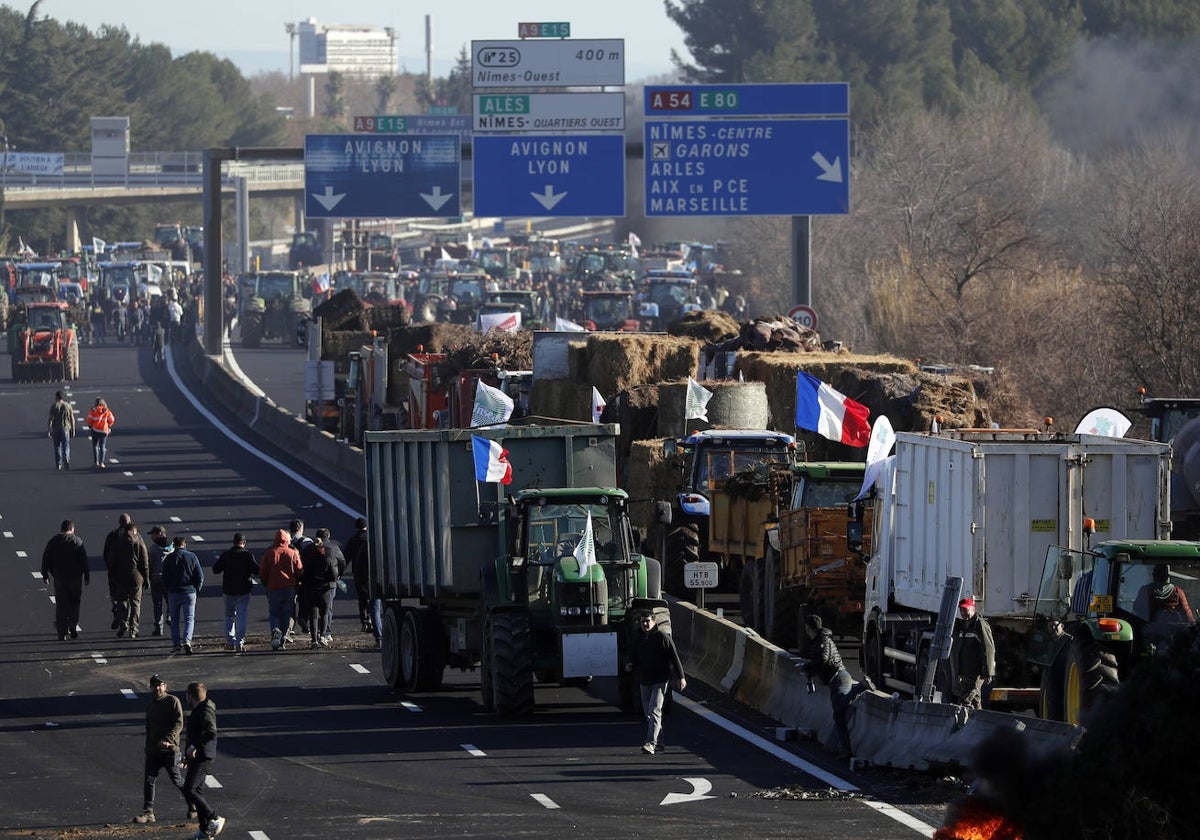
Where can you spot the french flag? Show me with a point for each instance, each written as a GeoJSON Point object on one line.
{"type": "Point", "coordinates": [823, 410]}
{"type": "Point", "coordinates": [491, 461]}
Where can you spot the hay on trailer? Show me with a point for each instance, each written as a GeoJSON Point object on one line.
{"type": "Point", "coordinates": [341, 312]}
{"type": "Point", "coordinates": [648, 477]}
{"type": "Point", "coordinates": [710, 325]}
{"type": "Point", "coordinates": [561, 399]}
{"type": "Point", "coordinates": [616, 362]}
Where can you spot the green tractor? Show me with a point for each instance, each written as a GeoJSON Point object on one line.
{"type": "Point", "coordinates": [547, 619]}
{"type": "Point", "coordinates": [1100, 612]}
{"type": "Point", "coordinates": [275, 305]}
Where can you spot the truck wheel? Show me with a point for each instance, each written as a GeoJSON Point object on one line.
{"type": "Point", "coordinates": [512, 663]}
{"type": "Point", "coordinates": [389, 648]}
{"type": "Point", "coordinates": [422, 658]}
{"type": "Point", "coordinates": [748, 598]}
{"type": "Point", "coordinates": [683, 547]}
{"type": "Point", "coordinates": [1090, 676]}
{"type": "Point", "coordinates": [485, 673]}
{"type": "Point", "coordinates": [1050, 701]}
{"type": "Point", "coordinates": [872, 657]}
{"type": "Point", "coordinates": [252, 329]}
{"type": "Point", "coordinates": [653, 578]}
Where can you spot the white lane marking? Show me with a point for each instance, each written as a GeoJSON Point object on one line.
{"type": "Point", "coordinates": [799, 763]}
{"type": "Point", "coordinates": [225, 430]}
{"type": "Point", "coordinates": [545, 800]}
{"type": "Point", "coordinates": [129, 693]}
{"type": "Point", "coordinates": [197, 538]}
{"type": "Point", "coordinates": [901, 817]}
{"type": "Point", "coordinates": [156, 501]}
{"type": "Point", "coordinates": [142, 487]}
{"type": "Point", "coordinates": [8, 535]}
{"type": "Point", "coordinates": [113, 461]}
{"type": "Point", "coordinates": [22, 553]}
{"type": "Point", "coordinates": [211, 782]}
{"type": "Point", "coordinates": [359, 668]}
{"type": "Point", "coordinates": [259, 835]}
{"type": "Point", "coordinates": [37, 575]}
{"type": "Point", "coordinates": [176, 519]}
{"type": "Point", "coordinates": [52, 601]}
{"type": "Point", "coordinates": [474, 750]}
{"type": "Point", "coordinates": [412, 707]}
{"type": "Point", "coordinates": [99, 659]}
{"type": "Point", "coordinates": [700, 789]}
{"type": "Point", "coordinates": [128, 474]}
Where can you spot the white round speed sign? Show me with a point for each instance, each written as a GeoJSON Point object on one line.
{"type": "Point", "coordinates": [803, 315]}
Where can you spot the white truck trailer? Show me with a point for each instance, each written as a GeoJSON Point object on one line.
{"type": "Point", "coordinates": [989, 507]}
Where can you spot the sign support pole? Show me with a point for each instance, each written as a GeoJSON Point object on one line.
{"type": "Point", "coordinates": [802, 260]}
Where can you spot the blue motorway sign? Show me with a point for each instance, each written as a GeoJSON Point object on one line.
{"type": "Point", "coordinates": [382, 176]}
{"type": "Point", "coordinates": [807, 99]}
{"type": "Point", "coordinates": [747, 167]}
{"type": "Point", "coordinates": [549, 175]}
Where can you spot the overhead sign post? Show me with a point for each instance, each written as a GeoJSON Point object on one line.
{"type": "Point", "coordinates": [381, 176]}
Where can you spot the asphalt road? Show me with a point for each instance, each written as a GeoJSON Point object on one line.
{"type": "Point", "coordinates": [313, 744]}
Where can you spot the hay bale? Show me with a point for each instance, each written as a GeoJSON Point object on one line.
{"type": "Point", "coordinates": [733, 405]}
{"type": "Point", "coordinates": [343, 311]}
{"type": "Point", "coordinates": [615, 362]}
{"type": "Point", "coordinates": [709, 326]}
{"type": "Point", "coordinates": [337, 345]}
{"type": "Point", "coordinates": [561, 399]}
{"type": "Point", "coordinates": [386, 316]}
{"type": "Point", "coordinates": [647, 477]}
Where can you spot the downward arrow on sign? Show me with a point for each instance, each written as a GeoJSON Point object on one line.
{"type": "Point", "coordinates": [548, 198]}
{"type": "Point", "coordinates": [329, 200]}
{"type": "Point", "coordinates": [436, 199]}
{"type": "Point", "coordinates": [829, 171]}
{"type": "Point", "coordinates": [700, 789]}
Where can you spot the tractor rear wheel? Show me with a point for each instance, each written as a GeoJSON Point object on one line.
{"type": "Point", "coordinates": [511, 663]}
{"type": "Point", "coordinates": [422, 658]}
{"type": "Point", "coordinates": [389, 648]}
{"type": "Point", "coordinates": [252, 329]}
{"type": "Point", "coordinates": [683, 547]}
{"type": "Point", "coordinates": [1090, 676]}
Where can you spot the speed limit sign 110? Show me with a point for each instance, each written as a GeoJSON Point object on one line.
{"type": "Point", "coordinates": [803, 315]}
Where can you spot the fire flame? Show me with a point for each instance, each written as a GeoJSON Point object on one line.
{"type": "Point", "coordinates": [976, 821]}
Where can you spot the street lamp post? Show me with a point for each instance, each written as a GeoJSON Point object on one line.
{"type": "Point", "coordinates": [291, 31]}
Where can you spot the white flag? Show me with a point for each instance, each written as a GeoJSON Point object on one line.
{"type": "Point", "coordinates": [502, 321]}
{"type": "Point", "coordinates": [492, 406]}
{"type": "Point", "coordinates": [563, 325]}
{"type": "Point", "coordinates": [470, 242]}
{"type": "Point", "coordinates": [634, 242]}
{"type": "Point", "coordinates": [598, 404]}
{"type": "Point", "coordinates": [585, 551]}
{"type": "Point", "coordinates": [696, 404]}
{"type": "Point", "coordinates": [99, 246]}
{"type": "Point", "coordinates": [883, 437]}
{"type": "Point", "coordinates": [1106, 422]}
{"type": "Point", "coordinates": [153, 274]}
{"type": "Point", "coordinates": [446, 256]}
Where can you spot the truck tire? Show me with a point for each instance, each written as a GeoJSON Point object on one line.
{"type": "Point", "coordinates": [73, 362]}
{"type": "Point", "coordinates": [1090, 676]}
{"type": "Point", "coordinates": [422, 656]}
{"type": "Point", "coordinates": [389, 648]}
{"type": "Point", "coordinates": [486, 680]}
{"type": "Point", "coordinates": [511, 663]}
{"type": "Point", "coordinates": [749, 600]}
{"type": "Point", "coordinates": [252, 329]}
{"type": "Point", "coordinates": [1050, 700]}
{"type": "Point", "coordinates": [872, 656]}
{"type": "Point", "coordinates": [683, 547]}
{"type": "Point", "coordinates": [653, 578]}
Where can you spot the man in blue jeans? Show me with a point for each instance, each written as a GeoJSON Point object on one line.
{"type": "Point", "coordinates": [60, 430]}
{"type": "Point", "coordinates": [237, 567]}
{"type": "Point", "coordinates": [183, 578]}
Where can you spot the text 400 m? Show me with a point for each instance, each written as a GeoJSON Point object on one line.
{"type": "Point", "coordinates": [598, 55]}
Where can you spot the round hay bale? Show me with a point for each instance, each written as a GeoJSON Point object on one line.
{"type": "Point", "coordinates": [710, 326]}
{"type": "Point", "coordinates": [734, 405]}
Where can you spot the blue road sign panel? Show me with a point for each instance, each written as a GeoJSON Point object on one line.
{"type": "Point", "coordinates": [559, 175]}
{"type": "Point", "coordinates": [382, 176]}
{"type": "Point", "coordinates": [809, 99]}
{"type": "Point", "coordinates": [747, 167]}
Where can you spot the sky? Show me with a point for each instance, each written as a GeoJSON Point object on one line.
{"type": "Point", "coordinates": [251, 32]}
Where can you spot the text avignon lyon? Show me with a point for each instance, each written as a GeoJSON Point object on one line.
{"type": "Point", "coordinates": [563, 149]}
{"type": "Point", "coordinates": [381, 155]}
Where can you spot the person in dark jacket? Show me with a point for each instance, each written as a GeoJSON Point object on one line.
{"type": "Point", "coordinates": [972, 655]}
{"type": "Point", "coordinates": [324, 565]}
{"type": "Point", "coordinates": [110, 540]}
{"type": "Point", "coordinates": [159, 547]}
{"type": "Point", "coordinates": [357, 555]}
{"type": "Point", "coordinates": [183, 578]}
{"type": "Point", "coordinates": [164, 723]}
{"type": "Point", "coordinates": [65, 559]}
{"type": "Point", "coordinates": [60, 429]}
{"type": "Point", "coordinates": [822, 659]}
{"type": "Point", "coordinates": [655, 662]}
{"type": "Point", "coordinates": [128, 573]}
{"type": "Point", "coordinates": [201, 750]}
{"type": "Point", "coordinates": [238, 568]}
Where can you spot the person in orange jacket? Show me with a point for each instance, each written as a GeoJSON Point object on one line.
{"type": "Point", "coordinates": [280, 570]}
{"type": "Point", "coordinates": [100, 422]}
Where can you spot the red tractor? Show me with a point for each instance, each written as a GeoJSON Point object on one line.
{"type": "Point", "coordinates": [48, 348]}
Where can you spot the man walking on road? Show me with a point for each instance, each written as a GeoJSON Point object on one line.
{"type": "Point", "coordinates": [100, 422]}
{"type": "Point", "coordinates": [358, 555]}
{"type": "Point", "coordinates": [655, 661]}
{"type": "Point", "coordinates": [279, 570]}
{"type": "Point", "coordinates": [164, 723]}
{"type": "Point", "coordinates": [129, 574]}
{"type": "Point", "coordinates": [159, 547]}
{"type": "Point", "coordinates": [65, 559]}
{"type": "Point", "coordinates": [237, 568]}
{"type": "Point", "coordinates": [323, 566]}
{"type": "Point", "coordinates": [973, 655]}
{"type": "Point", "coordinates": [183, 578]}
{"type": "Point", "coordinates": [61, 429]}
{"type": "Point", "coordinates": [201, 750]}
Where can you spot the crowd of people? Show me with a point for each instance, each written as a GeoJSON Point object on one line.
{"type": "Point", "coordinates": [301, 576]}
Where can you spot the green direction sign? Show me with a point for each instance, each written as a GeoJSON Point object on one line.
{"type": "Point", "coordinates": [544, 30]}
{"type": "Point", "coordinates": [382, 123]}
{"type": "Point", "coordinates": [499, 104]}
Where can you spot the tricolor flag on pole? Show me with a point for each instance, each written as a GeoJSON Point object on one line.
{"type": "Point", "coordinates": [585, 551]}
{"type": "Point", "coordinates": [823, 410]}
{"type": "Point", "coordinates": [491, 461]}
{"type": "Point", "coordinates": [598, 404]}
{"type": "Point", "coordinates": [696, 404]}
{"type": "Point", "coordinates": [492, 406]}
